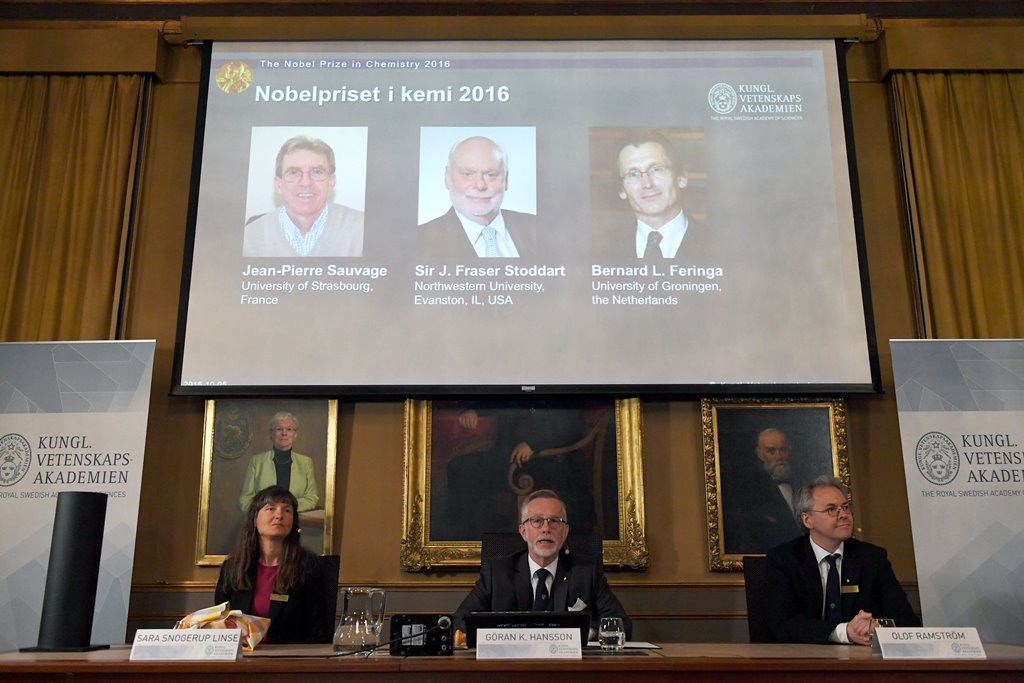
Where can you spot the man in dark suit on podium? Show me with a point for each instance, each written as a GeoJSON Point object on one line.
{"type": "Point", "coordinates": [541, 578]}
{"type": "Point", "coordinates": [476, 226]}
{"type": "Point", "coordinates": [827, 587]}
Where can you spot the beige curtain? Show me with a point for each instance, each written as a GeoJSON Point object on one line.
{"type": "Point", "coordinates": [962, 139]}
{"type": "Point", "coordinates": [68, 157]}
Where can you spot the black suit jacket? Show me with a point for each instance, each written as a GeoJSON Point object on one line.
{"type": "Point", "coordinates": [796, 597]}
{"type": "Point", "coordinates": [697, 247]}
{"type": "Point", "coordinates": [299, 620]}
{"type": "Point", "coordinates": [444, 238]}
{"type": "Point", "coordinates": [757, 516]}
{"type": "Point", "coordinates": [504, 586]}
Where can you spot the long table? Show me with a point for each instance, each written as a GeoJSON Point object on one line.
{"type": "Point", "coordinates": [673, 661]}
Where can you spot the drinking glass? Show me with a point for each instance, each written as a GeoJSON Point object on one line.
{"type": "Point", "coordinates": [881, 623]}
{"type": "Point", "coordinates": [612, 633]}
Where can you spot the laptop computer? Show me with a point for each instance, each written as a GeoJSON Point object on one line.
{"type": "Point", "coordinates": [478, 620]}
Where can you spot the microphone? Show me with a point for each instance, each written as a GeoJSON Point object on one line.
{"type": "Point", "coordinates": [370, 649]}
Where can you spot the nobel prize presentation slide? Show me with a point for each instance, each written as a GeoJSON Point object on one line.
{"type": "Point", "coordinates": [346, 194]}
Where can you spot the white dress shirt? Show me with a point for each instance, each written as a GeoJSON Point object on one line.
{"type": "Point", "coordinates": [475, 234]}
{"type": "Point", "coordinates": [820, 554]}
{"type": "Point", "coordinates": [672, 234]}
{"type": "Point", "coordinates": [551, 569]}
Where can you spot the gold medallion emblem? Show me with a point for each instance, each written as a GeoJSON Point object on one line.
{"type": "Point", "coordinates": [234, 77]}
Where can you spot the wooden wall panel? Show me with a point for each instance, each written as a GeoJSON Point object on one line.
{"type": "Point", "coordinates": [96, 50]}
{"type": "Point", "coordinates": [912, 46]}
{"type": "Point", "coordinates": [875, 450]}
{"type": "Point", "coordinates": [165, 548]}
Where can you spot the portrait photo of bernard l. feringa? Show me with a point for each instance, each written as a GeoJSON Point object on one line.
{"type": "Point", "coordinates": [641, 186]}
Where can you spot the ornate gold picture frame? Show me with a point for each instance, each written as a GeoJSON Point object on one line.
{"type": "Point", "coordinates": [236, 433]}
{"type": "Point", "coordinates": [460, 478]}
{"type": "Point", "coordinates": [757, 453]}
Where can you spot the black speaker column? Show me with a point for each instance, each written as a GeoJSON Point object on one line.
{"type": "Point", "coordinates": [69, 602]}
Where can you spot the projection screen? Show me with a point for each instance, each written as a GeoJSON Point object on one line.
{"type": "Point", "coordinates": [345, 196]}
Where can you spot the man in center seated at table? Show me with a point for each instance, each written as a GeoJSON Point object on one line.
{"type": "Point", "coordinates": [541, 578]}
{"type": "Point", "coordinates": [827, 587]}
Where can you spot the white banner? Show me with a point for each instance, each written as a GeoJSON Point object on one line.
{"type": "Point", "coordinates": [72, 418]}
{"type": "Point", "coordinates": [961, 412]}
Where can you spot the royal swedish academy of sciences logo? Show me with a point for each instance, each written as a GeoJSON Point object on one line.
{"type": "Point", "coordinates": [722, 98]}
{"type": "Point", "coordinates": [937, 458]}
{"type": "Point", "coordinates": [15, 457]}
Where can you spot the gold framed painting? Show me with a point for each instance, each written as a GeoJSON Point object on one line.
{"type": "Point", "coordinates": [238, 448]}
{"type": "Point", "coordinates": [757, 454]}
{"type": "Point", "coordinates": [461, 479]}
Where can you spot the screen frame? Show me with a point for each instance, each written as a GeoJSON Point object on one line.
{"type": "Point", "coordinates": [390, 391]}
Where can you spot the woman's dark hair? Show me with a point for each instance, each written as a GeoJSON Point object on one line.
{"type": "Point", "coordinates": [246, 554]}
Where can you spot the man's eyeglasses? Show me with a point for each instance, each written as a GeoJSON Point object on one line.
{"type": "Point", "coordinates": [488, 176]}
{"type": "Point", "coordinates": [554, 523]}
{"type": "Point", "coordinates": [656, 172]}
{"type": "Point", "coordinates": [834, 510]}
{"type": "Point", "coordinates": [317, 173]}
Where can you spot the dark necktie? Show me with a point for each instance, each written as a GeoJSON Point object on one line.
{"type": "Point", "coordinates": [653, 250]}
{"type": "Point", "coordinates": [833, 613]}
{"type": "Point", "coordinates": [541, 603]}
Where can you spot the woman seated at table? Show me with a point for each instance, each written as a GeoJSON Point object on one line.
{"type": "Point", "coordinates": [270, 574]}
